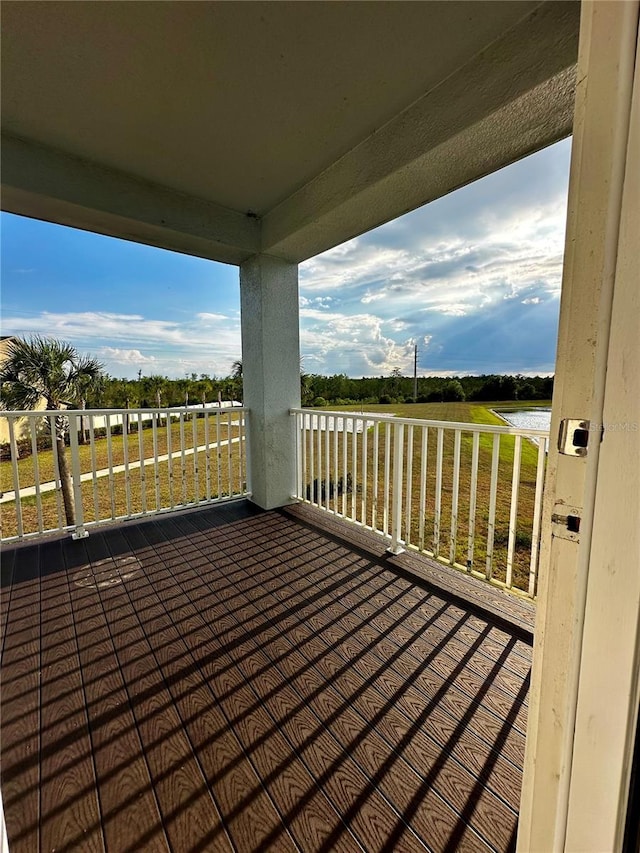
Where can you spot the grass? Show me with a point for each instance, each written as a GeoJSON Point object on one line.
{"type": "Point", "coordinates": [177, 484]}
{"type": "Point", "coordinates": [365, 503]}
{"type": "Point", "coordinates": [46, 463]}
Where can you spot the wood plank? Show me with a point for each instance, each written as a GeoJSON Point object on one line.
{"type": "Point", "coordinates": [7, 563]}
{"type": "Point", "coordinates": [70, 813]}
{"type": "Point", "coordinates": [497, 727]}
{"type": "Point", "coordinates": [503, 705]}
{"type": "Point", "coordinates": [251, 724]}
{"type": "Point", "coordinates": [516, 612]}
{"type": "Point", "coordinates": [299, 711]}
{"type": "Point", "coordinates": [257, 681]}
{"type": "Point", "coordinates": [229, 773]}
{"type": "Point", "coordinates": [440, 814]}
{"type": "Point", "coordinates": [128, 805]}
{"type": "Point", "coordinates": [496, 807]}
{"type": "Point", "coordinates": [357, 653]}
{"type": "Point", "coordinates": [180, 789]}
{"type": "Point", "coordinates": [20, 763]}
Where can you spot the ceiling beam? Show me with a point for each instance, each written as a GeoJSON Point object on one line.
{"type": "Point", "coordinates": [510, 100]}
{"type": "Point", "coordinates": [43, 183]}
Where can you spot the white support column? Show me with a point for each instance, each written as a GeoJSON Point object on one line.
{"type": "Point", "coordinates": [271, 375]}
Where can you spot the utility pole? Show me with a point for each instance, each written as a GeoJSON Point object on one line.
{"type": "Point", "coordinates": [415, 372]}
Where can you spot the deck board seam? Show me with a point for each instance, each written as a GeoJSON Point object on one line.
{"type": "Point", "coordinates": [223, 820]}
{"type": "Point", "coordinates": [276, 808]}
{"type": "Point", "coordinates": [186, 735]}
{"type": "Point", "coordinates": [142, 751]}
{"type": "Point", "coordinates": [329, 731]}
{"type": "Point", "coordinates": [463, 768]}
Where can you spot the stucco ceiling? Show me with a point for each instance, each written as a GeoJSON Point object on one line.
{"type": "Point", "coordinates": [239, 104]}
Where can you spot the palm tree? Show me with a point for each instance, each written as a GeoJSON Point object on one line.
{"type": "Point", "coordinates": [234, 384]}
{"type": "Point", "coordinates": [53, 370]}
{"type": "Point", "coordinates": [155, 385]}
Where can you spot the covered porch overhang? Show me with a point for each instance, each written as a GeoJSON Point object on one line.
{"type": "Point", "coordinates": [259, 134]}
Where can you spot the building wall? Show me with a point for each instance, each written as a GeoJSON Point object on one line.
{"type": "Point", "coordinates": [21, 426]}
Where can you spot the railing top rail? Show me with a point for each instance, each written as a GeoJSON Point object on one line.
{"type": "Point", "coordinates": [455, 425]}
{"type": "Point", "coordinates": [35, 413]}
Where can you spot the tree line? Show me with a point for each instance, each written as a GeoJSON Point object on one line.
{"type": "Point", "coordinates": [157, 391]}
{"type": "Point", "coordinates": [318, 390]}
{"type": "Point", "coordinates": [342, 390]}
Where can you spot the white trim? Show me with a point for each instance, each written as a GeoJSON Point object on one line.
{"type": "Point", "coordinates": [608, 692]}
{"type": "Point", "coordinates": [603, 102]}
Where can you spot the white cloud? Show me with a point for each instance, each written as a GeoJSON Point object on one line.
{"type": "Point", "coordinates": [211, 318]}
{"type": "Point", "coordinates": [371, 297]}
{"type": "Point", "coordinates": [450, 265]}
{"type": "Point", "coordinates": [469, 276]}
{"type": "Point", "coordinates": [173, 348]}
{"type": "Point", "coordinates": [355, 341]}
{"type": "Point", "coordinates": [126, 356]}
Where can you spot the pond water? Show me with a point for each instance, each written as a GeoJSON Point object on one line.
{"type": "Point", "coordinates": [537, 418]}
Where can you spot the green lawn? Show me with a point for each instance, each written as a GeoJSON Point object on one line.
{"type": "Point", "coordinates": [422, 528]}
{"type": "Point", "coordinates": [45, 460]}
{"type": "Point", "coordinates": [179, 484]}
{"type": "Point", "coordinates": [150, 487]}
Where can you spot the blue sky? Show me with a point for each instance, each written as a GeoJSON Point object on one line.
{"type": "Point", "coordinates": [473, 279]}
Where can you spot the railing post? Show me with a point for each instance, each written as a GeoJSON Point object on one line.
{"type": "Point", "coordinates": [16, 477]}
{"type": "Point", "coordinates": [297, 420]}
{"type": "Point", "coordinates": [396, 498]}
{"type": "Point", "coordinates": [246, 416]}
{"type": "Point", "coordinates": [79, 532]}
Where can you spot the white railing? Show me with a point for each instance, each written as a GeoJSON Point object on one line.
{"type": "Point", "coordinates": [467, 494]}
{"type": "Point", "coordinates": [122, 464]}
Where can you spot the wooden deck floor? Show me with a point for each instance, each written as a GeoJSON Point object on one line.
{"type": "Point", "coordinates": [230, 679]}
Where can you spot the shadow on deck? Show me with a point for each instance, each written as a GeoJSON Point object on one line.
{"type": "Point", "coordinates": [230, 679]}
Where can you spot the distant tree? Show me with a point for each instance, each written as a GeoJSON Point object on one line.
{"type": "Point", "coordinates": [155, 385]}
{"type": "Point", "coordinates": [306, 389]}
{"type": "Point", "coordinates": [233, 388]}
{"type": "Point", "coordinates": [201, 389]}
{"type": "Point", "coordinates": [526, 391]}
{"type": "Point", "coordinates": [497, 388]}
{"type": "Point", "coordinates": [453, 392]}
{"type": "Point", "coordinates": [180, 388]}
{"type": "Point", "coordinates": [47, 368]}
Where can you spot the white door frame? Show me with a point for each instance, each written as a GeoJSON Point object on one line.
{"type": "Point", "coordinates": [586, 646]}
